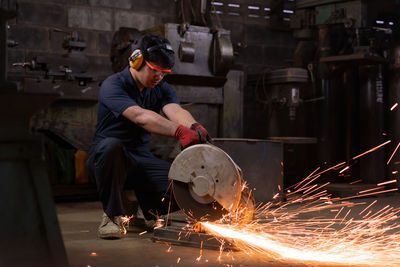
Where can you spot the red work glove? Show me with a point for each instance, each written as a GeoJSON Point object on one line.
{"type": "Point", "coordinates": [204, 135]}
{"type": "Point", "coordinates": [186, 136]}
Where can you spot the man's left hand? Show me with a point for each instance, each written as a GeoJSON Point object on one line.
{"type": "Point", "coordinates": [204, 135]}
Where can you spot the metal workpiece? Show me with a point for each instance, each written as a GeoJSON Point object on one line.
{"type": "Point", "coordinates": [261, 162]}
{"type": "Point", "coordinates": [206, 182]}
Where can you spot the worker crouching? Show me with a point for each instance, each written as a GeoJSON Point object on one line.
{"type": "Point", "coordinates": [128, 113]}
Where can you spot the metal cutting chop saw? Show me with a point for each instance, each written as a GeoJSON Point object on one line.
{"type": "Point", "coordinates": [207, 184]}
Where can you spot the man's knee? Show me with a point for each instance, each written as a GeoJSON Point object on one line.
{"type": "Point", "coordinates": [109, 148]}
{"type": "Point", "coordinates": [110, 145]}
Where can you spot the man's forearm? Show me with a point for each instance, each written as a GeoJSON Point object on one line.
{"type": "Point", "coordinates": [151, 121]}
{"type": "Point", "coordinates": [182, 116]}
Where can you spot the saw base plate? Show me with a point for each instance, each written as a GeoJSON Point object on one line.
{"type": "Point", "coordinates": [174, 235]}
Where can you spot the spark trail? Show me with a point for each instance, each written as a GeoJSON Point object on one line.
{"type": "Point", "coordinates": [352, 234]}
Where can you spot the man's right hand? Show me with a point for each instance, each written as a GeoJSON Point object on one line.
{"type": "Point", "coordinates": [204, 135]}
{"type": "Point", "coordinates": [186, 136]}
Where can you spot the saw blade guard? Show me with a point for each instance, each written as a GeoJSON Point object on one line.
{"type": "Point", "coordinates": [210, 176]}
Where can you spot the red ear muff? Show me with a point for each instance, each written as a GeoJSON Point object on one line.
{"type": "Point", "coordinates": [136, 59]}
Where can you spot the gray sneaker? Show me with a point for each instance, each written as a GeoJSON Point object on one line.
{"type": "Point", "coordinates": [111, 227]}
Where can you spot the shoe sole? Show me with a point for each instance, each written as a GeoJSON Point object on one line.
{"type": "Point", "coordinates": [110, 236]}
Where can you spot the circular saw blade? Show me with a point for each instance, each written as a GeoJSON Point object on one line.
{"type": "Point", "coordinates": [199, 211]}
{"type": "Point", "coordinates": [212, 178]}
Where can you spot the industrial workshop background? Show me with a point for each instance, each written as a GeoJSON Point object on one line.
{"type": "Point", "coordinates": [313, 81]}
{"type": "Point", "coordinates": [66, 46]}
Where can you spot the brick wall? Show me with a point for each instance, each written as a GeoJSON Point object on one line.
{"type": "Point", "coordinates": [94, 20]}
{"type": "Point", "coordinates": [261, 38]}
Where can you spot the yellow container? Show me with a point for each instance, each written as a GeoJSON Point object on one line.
{"type": "Point", "coordinates": [81, 175]}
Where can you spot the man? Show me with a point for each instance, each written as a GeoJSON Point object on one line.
{"type": "Point", "coordinates": [128, 112]}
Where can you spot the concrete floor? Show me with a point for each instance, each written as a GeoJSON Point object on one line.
{"type": "Point", "coordinates": [79, 222]}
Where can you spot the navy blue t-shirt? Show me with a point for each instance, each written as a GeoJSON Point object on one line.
{"type": "Point", "coordinates": [119, 92]}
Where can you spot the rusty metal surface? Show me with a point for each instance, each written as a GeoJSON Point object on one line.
{"type": "Point", "coordinates": [261, 162]}
{"type": "Point", "coordinates": [72, 121]}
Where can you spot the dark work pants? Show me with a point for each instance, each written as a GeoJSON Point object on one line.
{"type": "Point", "coordinates": [115, 168]}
